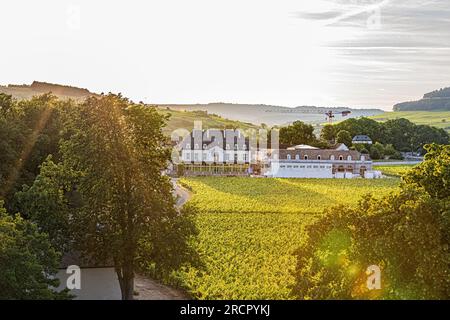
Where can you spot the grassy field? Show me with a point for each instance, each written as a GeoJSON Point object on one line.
{"type": "Point", "coordinates": [439, 119]}
{"type": "Point", "coordinates": [394, 171]}
{"type": "Point", "coordinates": [185, 119]}
{"type": "Point", "coordinates": [250, 227]}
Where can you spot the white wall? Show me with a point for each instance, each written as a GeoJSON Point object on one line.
{"type": "Point", "coordinates": [300, 170]}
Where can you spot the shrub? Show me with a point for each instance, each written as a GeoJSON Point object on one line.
{"type": "Point", "coordinates": [403, 234]}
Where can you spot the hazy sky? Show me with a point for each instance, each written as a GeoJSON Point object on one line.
{"type": "Point", "coordinates": [355, 53]}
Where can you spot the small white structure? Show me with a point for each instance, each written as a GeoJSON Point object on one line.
{"type": "Point", "coordinates": [361, 139]}
{"type": "Point", "coordinates": [282, 169]}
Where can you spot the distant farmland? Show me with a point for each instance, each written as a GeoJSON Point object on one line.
{"type": "Point", "coordinates": [439, 119]}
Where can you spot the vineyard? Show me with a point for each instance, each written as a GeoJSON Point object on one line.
{"type": "Point", "coordinates": [249, 228]}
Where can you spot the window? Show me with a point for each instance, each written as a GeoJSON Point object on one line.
{"type": "Point", "coordinates": [196, 156]}
{"type": "Point", "coordinates": [289, 167]}
{"type": "Point", "coordinates": [288, 157]}
{"type": "Point", "coordinates": [188, 146]}
{"type": "Point", "coordinates": [204, 156]}
{"type": "Point", "coordinates": [315, 167]}
{"type": "Point", "coordinates": [349, 158]}
{"type": "Point", "coordinates": [188, 156]}
{"type": "Point", "coordinates": [196, 146]}
{"type": "Point", "coordinates": [295, 167]}
{"type": "Point", "coordinates": [228, 146]}
{"type": "Point", "coordinates": [297, 157]}
{"type": "Point", "coordinates": [318, 157]}
{"type": "Point", "coordinates": [282, 167]}
{"type": "Point", "coordinates": [204, 146]}
{"type": "Point", "coordinates": [341, 158]}
{"type": "Point", "coordinates": [305, 157]}
{"type": "Point", "coordinates": [236, 146]}
{"type": "Point", "coordinates": [363, 158]}
{"type": "Point", "coordinates": [245, 157]}
{"type": "Point", "coordinates": [227, 157]}
{"type": "Point", "coordinates": [332, 157]}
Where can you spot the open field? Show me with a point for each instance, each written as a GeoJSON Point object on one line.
{"type": "Point", "coordinates": [250, 227]}
{"type": "Point", "coordinates": [439, 119]}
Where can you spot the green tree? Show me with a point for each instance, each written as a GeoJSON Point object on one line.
{"type": "Point", "coordinates": [406, 234]}
{"type": "Point", "coordinates": [48, 202]}
{"type": "Point", "coordinates": [344, 137]}
{"type": "Point", "coordinates": [27, 261]}
{"type": "Point", "coordinates": [297, 133]}
{"type": "Point", "coordinates": [328, 133]}
{"type": "Point", "coordinates": [377, 151]}
{"type": "Point", "coordinates": [433, 174]}
{"type": "Point", "coordinates": [401, 233]}
{"type": "Point", "coordinates": [120, 151]}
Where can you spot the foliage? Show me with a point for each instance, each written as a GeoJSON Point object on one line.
{"type": "Point", "coordinates": [119, 151]}
{"type": "Point", "coordinates": [433, 174]}
{"type": "Point", "coordinates": [29, 132]}
{"type": "Point", "coordinates": [297, 133]}
{"type": "Point", "coordinates": [27, 261]}
{"type": "Point", "coordinates": [377, 151]}
{"type": "Point", "coordinates": [328, 133]}
{"type": "Point", "coordinates": [344, 137]}
{"type": "Point", "coordinates": [402, 234]}
{"type": "Point", "coordinates": [401, 133]}
{"type": "Point", "coordinates": [406, 234]}
{"type": "Point", "coordinates": [48, 202]}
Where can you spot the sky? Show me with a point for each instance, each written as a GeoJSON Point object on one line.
{"type": "Point", "coordinates": [348, 53]}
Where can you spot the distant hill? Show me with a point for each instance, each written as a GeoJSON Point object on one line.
{"type": "Point", "coordinates": [269, 114]}
{"type": "Point", "coordinates": [438, 100]}
{"type": "Point", "coordinates": [185, 120]}
{"type": "Point", "coordinates": [37, 88]}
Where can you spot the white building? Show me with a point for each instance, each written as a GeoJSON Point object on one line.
{"type": "Point", "coordinates": [229, 152]}
{"type": "Point", "coordinates": [310, 162]}
{"type": "Point", "coordinates": [361, 139]}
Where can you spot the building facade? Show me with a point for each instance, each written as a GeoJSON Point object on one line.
{"type": "Point", "coordinates": [310, 162]}
{"type": "Point", "coordinates": [230, 153]}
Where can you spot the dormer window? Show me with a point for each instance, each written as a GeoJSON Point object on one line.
{"type": "Point", "coordinates": [305, 157]}
{"type": "Point", "coordinates": [349, 158]}
{"type": "Point", "coordinates": [297, 157]}
{"type": "Point", "coordinates": [204, 146]}
{"type": "Point", "coordinates": [332, 157]}
{"type": "Point", "coordinates": [318, 157]}
{"type": "Point", "coordinates": [363, 158]}
{"type": "Point", "coordinates": [196, 146]}
{"type": "Point", "coordinates": [188, 146]}
{"type": "Point", "coordinates": [341, 158]}
{"type": "Point", "coordinates": [289, 157]}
